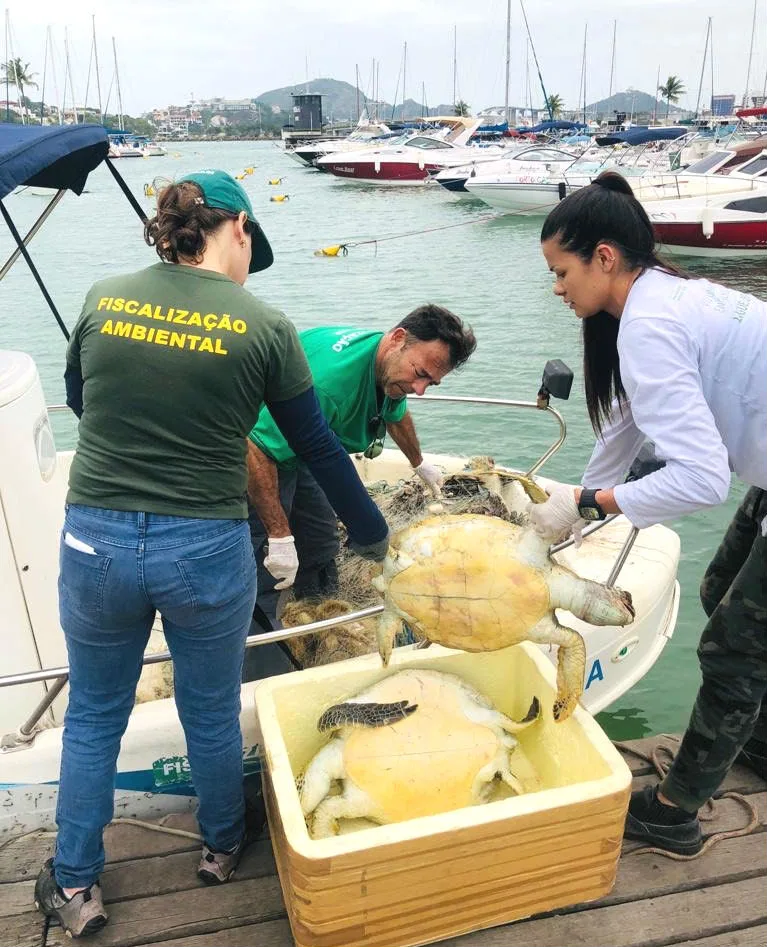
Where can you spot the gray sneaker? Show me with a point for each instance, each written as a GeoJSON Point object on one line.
{"type": "Point", "coordinates": [80, 915]}
{"type": "Point", "coordinates": [216, 868]}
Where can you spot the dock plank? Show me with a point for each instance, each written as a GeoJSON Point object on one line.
{"type": "Point", "coordinates": [268, 934]}
{"type": "Point", "coordinates": [155, 898]}
{"type": "Point", "coordinates": [747, 937]}
{"type": "Point", "coordinates": [185, 914]}
{"type": "Point", "coordinates": [654, 922]}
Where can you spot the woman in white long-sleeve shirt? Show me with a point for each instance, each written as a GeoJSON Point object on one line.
{"type": "Point", "coordinates": [681, 362]}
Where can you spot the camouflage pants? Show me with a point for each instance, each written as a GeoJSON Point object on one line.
{"type": "Point", "coordinates": [731, 704]}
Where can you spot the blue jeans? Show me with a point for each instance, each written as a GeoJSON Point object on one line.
{"type": "Point", "coordinates": [117, 569]}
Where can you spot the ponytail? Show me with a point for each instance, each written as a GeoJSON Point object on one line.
{"type": "Point", "coordinates": [604, 211]}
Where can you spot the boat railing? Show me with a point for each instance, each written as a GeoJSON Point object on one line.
{"type": "Point", "coordinates": [60, 675]}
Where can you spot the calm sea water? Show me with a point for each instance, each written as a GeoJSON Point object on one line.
{"type": "Point", "coordinates": [490, 272]}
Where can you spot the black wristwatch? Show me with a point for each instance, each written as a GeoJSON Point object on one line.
{"type": "Point", "coordinates": [588, 506]}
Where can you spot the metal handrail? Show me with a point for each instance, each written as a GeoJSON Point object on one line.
{"type": "Point", "coordinates": [267, 637]}
{"type": "Point", "coordinates": [460, 399]}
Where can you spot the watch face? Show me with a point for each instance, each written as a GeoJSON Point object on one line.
{"type": "Point", "coordinates": [588, 512]}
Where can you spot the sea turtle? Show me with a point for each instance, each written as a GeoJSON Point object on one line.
{"type": "Point", "coordinates": [480, 583]}
{"type": "Point", "coordinates": [416, 743]}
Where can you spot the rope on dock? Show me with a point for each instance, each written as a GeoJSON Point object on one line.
{"type": "Point", "coordinates": [661, 768]}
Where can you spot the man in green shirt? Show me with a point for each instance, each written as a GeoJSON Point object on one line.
{"type": "Point", "coordinates": [361, 378]}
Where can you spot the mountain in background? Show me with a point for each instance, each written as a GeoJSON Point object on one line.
{"type": "Point", "coordinates": [340, 99]}
{"type": "Point", "coordinates": [632, 101]}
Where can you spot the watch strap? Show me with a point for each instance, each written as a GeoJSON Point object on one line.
{"type": "Point", "coordinates": [588, 506]}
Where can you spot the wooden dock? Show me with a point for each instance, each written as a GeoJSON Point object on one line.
{"type": "Point", "coordinates": [153, 896]}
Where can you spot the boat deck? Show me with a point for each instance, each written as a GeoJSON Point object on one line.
{"type": "Point", "coordinates": [716, 900]}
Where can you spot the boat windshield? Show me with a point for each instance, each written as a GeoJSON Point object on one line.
{"type": "Point", "coordinates": [428, 144]}
{"type": "Point", "coordinates": [757, 167]}
{"type": "Point", "coordinates": [543, 154]}
{"type": "Point", "coordinates": [707, 163]}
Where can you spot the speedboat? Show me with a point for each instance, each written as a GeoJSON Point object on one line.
{"type": "Point", "coordinates": [527, 161]}
{"type": "Point", "coordinates": [366, 134]}
{"type": "Point", "coordinates": [636, 153]}
{"type": "Point", "coordinates": [152, 770]}
{"type": "Point", "coordinates": [720, 225]}
{"type": "Point", "coordinates": [413, 160]}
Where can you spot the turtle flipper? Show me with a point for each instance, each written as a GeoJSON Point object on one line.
{"type": "Point", "coordinates": [386, 631]}
{"type": "Point", "coordinates": [353, 714]}
{"type": "Point", "coordinates": [571, 663]}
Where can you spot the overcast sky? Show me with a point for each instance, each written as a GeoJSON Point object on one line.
{"type": "Point", "coordinates": [170, 50]}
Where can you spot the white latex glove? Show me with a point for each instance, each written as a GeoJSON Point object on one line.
{"type": "Point", "coordinates": [281, 560]}
{"type": "Point", "coordinates": [558, 517]}
{"type": "Point", "coordinates": [431, 476]}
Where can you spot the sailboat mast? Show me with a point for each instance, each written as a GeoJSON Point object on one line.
{"type": "Point", "coordinates": [612, 60]}
{"type": "Point", "coordinates": [508, 61]}
{"type": "Point", "coordinates": [45, 71]}
{"type": "Point", "coordinates": [119, 93]}
{"type": "Point", "coordinates": [357, 84]}
{"type": "Point", "coordinates": [455, 63]}
{"type": "Point", "coordinates": [585, 35]}
{"type": "Point", "coordinates": [96, 60]}
{"type": "Point", "coordinates": [69, 76]}
{"type": "Point", "coordinates": [655, 106]}
{"type": "Point", "coordinates": [537, 66]}
{"type": "Point", "coordinates": [7, 73]}
{"type": "Point", "coordinates": [750, 56]}
{"type": "Point", "coordinates": [703, 67]}
{"type": "Point", "coordinates": [404, 77]}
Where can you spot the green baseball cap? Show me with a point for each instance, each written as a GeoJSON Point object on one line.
{"type": "Point", "coordinates": [221, 191]}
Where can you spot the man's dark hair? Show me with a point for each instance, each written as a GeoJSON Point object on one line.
{"type": "Point", "coordinates": [430, 322]}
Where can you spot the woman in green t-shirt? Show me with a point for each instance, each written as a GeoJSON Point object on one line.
{"type": "Point", "coordinates": [167, 369]}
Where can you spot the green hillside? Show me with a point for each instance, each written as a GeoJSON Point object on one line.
{"type": "Point", "coordinates": [630, 101]}
{"type": "Point", "coordinates": [339, 101]}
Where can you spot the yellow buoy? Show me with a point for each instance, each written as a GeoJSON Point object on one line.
{"type": "Point", "coordinates": [279, 197]}
{"type": "Point", "coordinates": [275, 180]}
{"type": "Point", "coordinates": [249, 170]}
{"type": "Point", "coordinates": [148, 190]}
{"type": "Point", "coordinates": [240, 177]}
{"type": "Point", "coordinates": [332, 251]}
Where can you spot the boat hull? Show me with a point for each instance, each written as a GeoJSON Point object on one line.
{"type": "Point", "coordinates": [729, 238]}
{"type": "Point", "coordinates": [380, 172]}
{"type": "Point", "coordinates": [524, 199]}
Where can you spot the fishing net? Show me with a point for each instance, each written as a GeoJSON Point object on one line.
{"type": "Point", "coordinates": [480, 489]}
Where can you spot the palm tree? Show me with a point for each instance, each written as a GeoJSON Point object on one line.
{"type": "Point", "coordinates": [671, 91]}
{"type": "Point", "coordinates": [462, 108]}
{"type": "Point", "coordinates": [18, 73]}
{"type": "Point", "coordinates": [555, 105]}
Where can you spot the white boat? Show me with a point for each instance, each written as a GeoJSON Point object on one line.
{"type": "Point", "coordinates": [530, 161]}
{"type": "Point", "coordinates": [366, 134]}
{"type": "Point", "coordinates": [152, 769]}
{"type": "Point", "coordinates": [412, 161]}
{"type": "Point", "coordinates": [641, 154]}
{"type": "Point", "coordinates": [124, 146]}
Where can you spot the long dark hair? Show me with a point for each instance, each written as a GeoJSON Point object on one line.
{"type": "Point", "coordinates": [604, 211]}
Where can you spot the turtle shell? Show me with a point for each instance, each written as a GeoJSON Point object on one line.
{"type": "Point", "coordinates": [427, 762]}
{"type": "Point", "coordinates": [469, 585]}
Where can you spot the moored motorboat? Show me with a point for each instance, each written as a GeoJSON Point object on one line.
{"type": "Point", "coordinates": [414, 160]}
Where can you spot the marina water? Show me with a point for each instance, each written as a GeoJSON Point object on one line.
{"type": "Point", "coordinates": [489, 271]}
